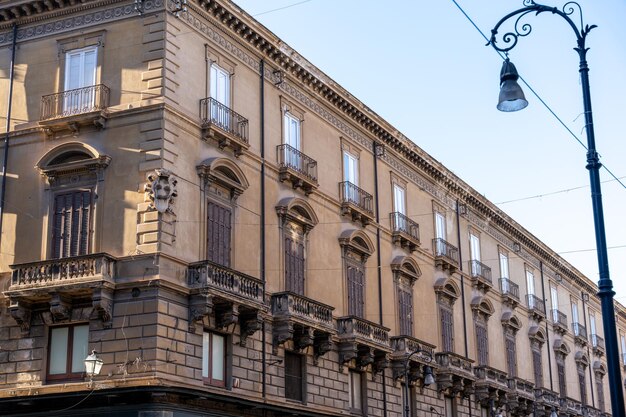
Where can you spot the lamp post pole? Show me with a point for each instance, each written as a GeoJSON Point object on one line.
{"type": "Point", "coordinates": [428, 377]}
{"type": "Point", "coordinates": [605, 285]}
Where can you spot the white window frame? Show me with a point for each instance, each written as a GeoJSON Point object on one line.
{"type": "Point", "coordinates": [554, 300]}
{"type": "Point", "coordinates": [219, 91]}
{"type": "Point", "coordinates": [356, 396]}
{"type": "Point", "coordinates": [474, 247]}
{"type": "Point", "coordinates": [399, 199]}
{"type": "Point", "coordinates": [350, 168]}
{"type": "Point", "coordinates": [214, 358]}
{"type": "Point", "coordinates": [440, 225]}
{"type": "Point", "coordinates": [292, 126]}
{"type": "Point", "coordinates": [73, 351]}
{"type": "Point", "coordinates": [503, 259]}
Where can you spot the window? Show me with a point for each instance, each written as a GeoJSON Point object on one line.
{"type": "Point", "coordinates": [412, 400]}
{"type": "Point", "coordinates": [294, 376]}
{"type": "Point", "coordinates": [447, 329]}
{"type": "Point", "coordinates": [440, 226]}
{"type": "Point", "coordinates": [474, 247]}
{"type": "Point", "coordinates": [405, 308]}
{"type": "Point", "coordinates": [350, 168]}
{"type": "Point", "coordinates": [356, 388]}
{"type": "Point", "coordinates": [449, 407]}
{"type": "Point", "coordinates": [482, 344]}
{"type": "Point", "coordinates": [575, 322]}
{"type": "Point", "coordinates": [71, 223]}
{"type": "Point", "coordinates": [214, 359]}
{"type": "Point", "coordinates": [622, 339]}
{"type": "Point", "coordinates": [80, 71]}
{"type": "Point", "coordinates": [537, 368]}
{"type": "Point", "coordinates": [447, 294]}
{"type": "Point", "coordinates": [592, 329]}
{"type": "Point", "coordinates": [399, 200]}
{"type": "Point", "coordinates": [560, 369]}
{"type": "Point", "coordinates": [530, 287]}
{"type": "Point", "coordinates": [511, 357]}
{"type": "Point", "coordinates": [504, 266]}
{"type": "Point", "coordinates": [554, 299]}
{"type": "Point", "coordinates": [582, 387]}
{"type": "Point", "coordinates": [357, 247]}
{"type": "Point", "coordinates": [219, 231]}
{"type": "Point", "coordinates": [600, 390]}
{"type": "Point", "coordinates": [220, 85]}
{"type": "Point", "coordinates": [405, 273]}
{"type": "Point", "coordinates": [68, 348]}
{"type": "Point", "coordinates": [292, 130]}
{"type": "Point", "coordinates": [294, 261]}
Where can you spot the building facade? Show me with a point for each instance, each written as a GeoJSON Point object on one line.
{"type": "Point", "coordinates": [234, 234]}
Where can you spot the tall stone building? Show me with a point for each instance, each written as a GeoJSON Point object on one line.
{"type": "Point", "coordinates": [234, 234]}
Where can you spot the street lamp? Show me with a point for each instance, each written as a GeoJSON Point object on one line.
{"type": "Point", "coordinates": [93, 365]}
{"type": "Point", "coordinates": [512, 101]}
{"type": "Point", "coordinates": [427, 372]}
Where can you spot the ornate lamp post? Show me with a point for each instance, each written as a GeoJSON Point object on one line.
{"type": "Point", "coordinates": [428, 376]}
{"type": "Point", "coordinates": [512, 99]}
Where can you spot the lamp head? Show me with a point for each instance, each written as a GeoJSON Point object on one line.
{"type": "Point", "coordinates": [429, 378]}
{"type": "Point", "coordinates": [511, 94]}
{"type": "Point", "coordinates": [93, 364]}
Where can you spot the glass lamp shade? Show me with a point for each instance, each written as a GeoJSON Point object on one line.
{"type": "Point", "coordinates": [429, 378]}
{"type": "Point", "coordinates": [511, 95]}
{"type": "Point", "coordinates": [93, 364]}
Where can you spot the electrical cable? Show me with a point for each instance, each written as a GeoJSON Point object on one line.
{"type": "Point", "coordinates": [281, 8]}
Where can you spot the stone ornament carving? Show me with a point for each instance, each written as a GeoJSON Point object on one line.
{"type": "Point", "coordinates": [161, 190]}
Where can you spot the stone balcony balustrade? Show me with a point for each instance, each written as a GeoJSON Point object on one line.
{"type": "Point", "coordinates": [366, 342]}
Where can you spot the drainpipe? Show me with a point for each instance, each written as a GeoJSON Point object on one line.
{"type": "Point", "coordinates": [262, 220]}
{"type": "Point", "coordinates": [543, 295]}
{"type": "Point", "coordinates": [458, 238]}
{"type": "Point", "coordinates": [376, 147]}
{"type": "Point", "coordinates": [8, 128]}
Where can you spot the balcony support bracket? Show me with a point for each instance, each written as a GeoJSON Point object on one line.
{"type": "Point", "coordinates": [102, 303]}
{"type": "Point", "coordinates": [21, 313]}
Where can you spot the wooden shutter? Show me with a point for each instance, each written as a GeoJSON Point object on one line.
{"type": "Point", "coordinates": [583, 388]}
{"type": "Point", "coordinates": [294, 266]}
{"type": "Point", "coordinates": [538, 368]}
{"type": "Point", "coordinates": [405, 311]}
{"type": "Point", "coordinates": [293, 376]}
{"type": "Point", "coordinates": [447, 330]}
{"type": "Point", "coordinates": [600, 389]}
{"type": "Point", "coordinates": [511, 359]}
{"type": "Point", "coordinates": [356, 284]}
{"type": "Point", "coordinates": [482, 345]}
{"type": "Point", "coordinates": [561, 373]}
{"type": "Point", "coordinates": [71, 228]}
{"type": "Point", "coordinates": [218, 234]}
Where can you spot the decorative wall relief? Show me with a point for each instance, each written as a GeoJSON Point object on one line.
{"type": "Point", "coordinates": [161, 190]}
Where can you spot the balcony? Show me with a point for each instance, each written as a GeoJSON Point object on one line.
{"type": "Point", "coordinates": [402, 347]}
{"type": "Point", "coordinates": [229, 128]}
{"type": "Point", "coordinates": [404, 231]}
{"type": "Point", "coordinates": [365, 342]}
{"type": "Point", "coordinates": [570, 406]}
{"type": "Point", "coordinates": [580, 334]}
{"type": "Point", "coordinates": [559, 321]}
{"type": "Point", "coordinates": [70, 110]}
{"type": "Point", "coordinates": [597, 343]}
{"type": "Point", "coordinates": [446, 255]}
{"type": "Point", "coordinates": [491, 384]}
{"type": "Point", "coordinates": [455, 374]}
{"type": "Point", "coordinates": [480, 275]}
{"type": "Point", "coordinates": [62, 284]}
{"type": "Point", "coordinates": [589, 411]}
{"type": "Point", "coordinates": [356, 203]}
{"type": "Point", "coordinates": [230, 296]}
{"type": "Point", "coordinates": [536, 307]}
{"type": "Point", "coordinates": [521, 396]}
{"type": "Point", "coordinates": [303, 321]}
{"type": "Point", "coordinates": [546, 400]}
{"type": "Point", "coordinates": [297, 168]}
{"type": "Point", "coordinates": [510, 292]}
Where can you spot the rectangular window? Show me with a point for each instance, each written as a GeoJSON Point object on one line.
{"type": "Point", "coordinates": [560, 368]}
{"type": "Point", "coordinates": [294, 265]}
{"type": "Point", "coordinates": [622, 339]}
{"type": "Point", "coordinates": [80, 71]}
{"type": "Point", "coordinates": [220, 85]}
{"type": "Point", "coordinates": [356, 388]}
{"type": "Point", "coordinates": [575, 322]}
{"type": "Point", "coordinates": [600, 390]}
{"type": "Point", "coordinates": [504, 265]}
{"type": "Point", "coordinates": [440, 226]}
{"type": "Point", "coordinates": [474, 248]}
{"type": "Point", "coordinates": [292, 130]}
{"type": "Point", "coordinates": [511, 357]}
{"type": "Point", "coordinates": [538, 368]}
{"type": "Point", "coordinates": [350, 168]}
{"type": "Point", "coordinates": [482, 345]}
{"type": "Point", "coordinates": [447, 329]}
{"type": "Point", "coordinates": [214, 359]}
{"type": "Point", "coordinates": [68, 349]}
{"type": "Point", "coordinates": [399, 200]}
{"type": "Point", "coordinates": [405, 310]}
{"type": "Point", "coordinates": [530, 287]}
{"type": "Point", "coordinates": [583, 388]}
{"type": "Point", "coordinates": [218, 233]}
{"type": "Point", "coordinates": [592, 329]}
{"type": "Point", "coordinates": [554, 298]}
{"type": "Point", "coordinates": [294, 376]}
{"type": "Point", "coordinates": [450, 407]}
{"type": "Point", "coordinates": [356, 288]}
{"type": "Point", "coordinates": [71, 223]}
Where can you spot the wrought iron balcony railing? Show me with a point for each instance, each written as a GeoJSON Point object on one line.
{"type": "Point", "coordinates": [446, 251]}
{"type": "Point", "coordinates": [62, 271]}
{"type": "Point", "coordinates": [74, 102]}
{"type": "Point", "coordinates": [402, 224]}
{"type": "Point", "coordinates": [351, 194]}
{"type": "Point", "coordinates": [480, 271]}
{"type": "Point", "coordinates": [291, 158]}
{"type": "Point", "coordinates": [214, 113]}
{"type": "Point", "coordinates": [535, 304]}
{"type": "Point", "coordinates": [579, 330]}
{"type": "Point", "coordinates": [597, 342]}
{"type": "Point", "coordinates": [210, 276]}
{"type": "Point", "coordinates": [559, 318]}
{"type": "Point", "coordinates": [509, 288]}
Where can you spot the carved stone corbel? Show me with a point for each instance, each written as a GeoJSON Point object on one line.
{"type": "Point", "coordinates": [60, 307]}
{"type": "Point", "coordinates": [21, 313]}
{"type": "Point", "coordinates": [347, 352]}
{"type": "Point", "coordinates": [321, 345]}
{"type": "Point", "coordinates": [380, 362]}
{"type": "Point", "coordinates": [226, 315]}
{"type": "Point", "coordinates": [249, 323]}
{"type": "Point", "coordinates": [282, 332]}
{"type": "Point", "coordinates": [200, 306]}
{"type": "Point", "coordinates": [365, 356]}
{"type": "Point", "coordinates": [102, 304]}
{"type": "Point", "coordinates": [303, 338]}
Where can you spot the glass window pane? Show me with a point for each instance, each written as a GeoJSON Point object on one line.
{"type": "Point", "coordinates": [89, 69]}
{"type": "Point", "coordinates": [205, 354]}
{"type": "Point", "coordinates": [79, 348]}
{"type": "Point", "coordinates": [58, 350]}
{"type": "Point", "coordinates": [217, 357]}
{"type": "Point", "coordinates": [440, 226]}
{"type": "Point", "coordinates": [355, 390]}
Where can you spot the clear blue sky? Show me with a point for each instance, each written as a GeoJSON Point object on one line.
{"type": "Point", "coordinates": [424, 68]}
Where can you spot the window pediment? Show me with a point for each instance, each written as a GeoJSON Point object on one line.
{"type": "Point", "coordinates": [72, 164]}
{"type": "Point", "coordinates": [297, 210]}
{"type": "Point", "coordinates": [223, 173]}
{"type": "Point", "coordinates": [357, 242]}
{"type": "Point", "coordinates": [482, 307]}
{"type": "Point", "coordinates": [510, 322]}
{"type": "Point", "coordinates": [406, 267]}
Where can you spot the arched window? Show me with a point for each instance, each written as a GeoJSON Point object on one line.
{"type": "Point", "coordinates": [405, 273]}
{"type": "Point", "coordinates": [357, 247]}
{"type": "Point", "coordinates": [447, 293]}
{"type": "Point", "coordinates": [537, 339]}
{"type": "Point", "coordinates": [223, 181]}
{"type": "Point", "coordinates": [73, 172]}
{"type": "Point", "coordinates": [511, 325]}
{"type": "Point", "coordinates": [482, 309]}
{"type": "Point", "coordinates": [297, 218]}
